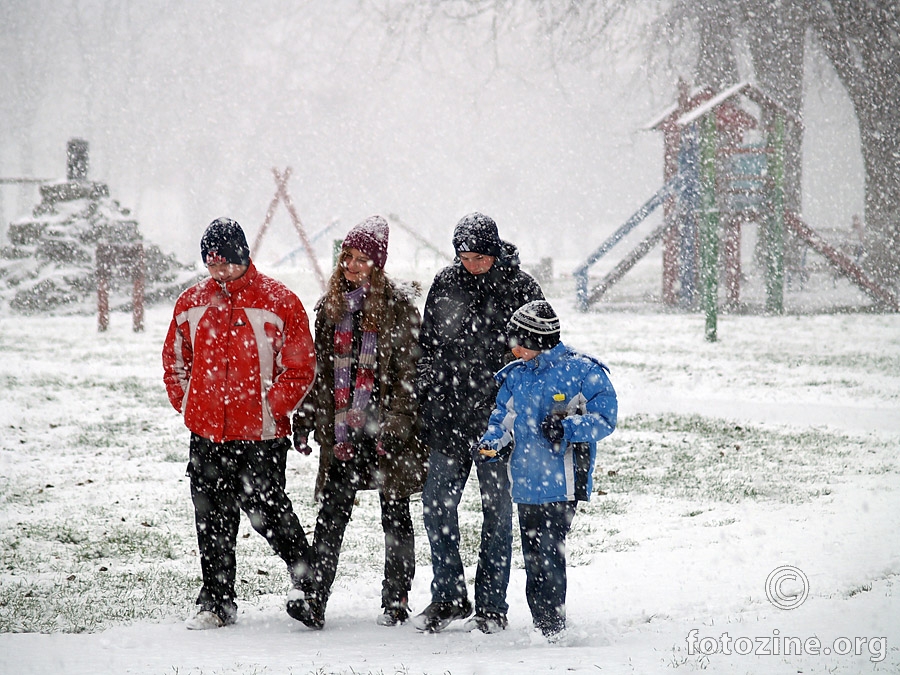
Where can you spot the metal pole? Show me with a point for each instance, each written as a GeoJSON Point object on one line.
{"type": "Point", "coordinates": [709, 228]}
{"type": "Point", "coordinates": [775, 226]}
{"type": "Point", "coordinates": [298, 225]}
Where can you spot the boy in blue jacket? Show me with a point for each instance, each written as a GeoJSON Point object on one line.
{"type": "Point", "coordinates": [552, 408]}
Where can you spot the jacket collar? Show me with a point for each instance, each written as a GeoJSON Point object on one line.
{"type": "Point", "coordinates": [549, 358]}
{"type": "Point", "coordinates": [232, 287]}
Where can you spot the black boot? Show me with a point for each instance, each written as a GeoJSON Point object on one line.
{"type": "Point", "coordinates": [438, 615]}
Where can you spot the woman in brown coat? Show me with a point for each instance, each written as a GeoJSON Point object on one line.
{"type": "Point", "coordinates": [363, 412]}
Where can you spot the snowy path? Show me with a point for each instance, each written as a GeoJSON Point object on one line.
{"type": "Point", "coordinates": [631, 612]}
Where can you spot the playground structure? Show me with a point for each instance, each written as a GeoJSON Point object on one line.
{"type": "Point", "coordinates": [112, 258]}
{"type": "Point", "coordinates": [282, 195]}
{"type": "Point", "coordinates": [724, 167]}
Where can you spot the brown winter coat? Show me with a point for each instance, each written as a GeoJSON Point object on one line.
{"type": "Point", "coordinates": [401, 471]}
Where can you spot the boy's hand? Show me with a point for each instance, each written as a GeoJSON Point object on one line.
{"type": "Point", "coordinates": [553, 430]}
{"type": "Point", "coordinates": [482, 453]}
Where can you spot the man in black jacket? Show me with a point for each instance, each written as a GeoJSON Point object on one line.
{"type": "Point", "coordinates": [463, 342]}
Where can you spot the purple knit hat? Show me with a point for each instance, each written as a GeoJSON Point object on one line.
{"type": "Point", "coordinates": [370, 237]}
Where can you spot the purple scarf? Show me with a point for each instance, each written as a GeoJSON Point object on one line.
{"type": "Point", "coordinates": [351, 413]}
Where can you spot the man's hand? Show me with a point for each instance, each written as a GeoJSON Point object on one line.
{"type": "Point", "coordinates": [301, 444]}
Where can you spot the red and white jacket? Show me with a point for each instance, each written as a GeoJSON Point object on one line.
{"type": "Point", "coordinates": [238, 358]}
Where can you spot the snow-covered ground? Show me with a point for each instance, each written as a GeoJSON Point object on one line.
{"type": "Point", "coordinates": [776, 445]}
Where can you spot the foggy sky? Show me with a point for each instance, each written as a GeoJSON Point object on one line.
{"type": "Point", "coordinates": [188, 106]}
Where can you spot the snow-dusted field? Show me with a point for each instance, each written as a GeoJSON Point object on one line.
{"type": "Point", "coordinates": [775, 446]}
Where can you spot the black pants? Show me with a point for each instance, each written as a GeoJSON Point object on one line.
{"type": "Point", "coordinates": [338, 495]}
{"type": "Point", "coordinates": [544, 528]}
{"type": "Point", "coordinates": [225, 479]}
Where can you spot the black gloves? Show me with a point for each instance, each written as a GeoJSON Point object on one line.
{"type": "Point", "coordinates": [300, 434]}
{"type": "Point", "coordinates": [301, 444]}
{"type": "Point", "coordinates": [552, 428]}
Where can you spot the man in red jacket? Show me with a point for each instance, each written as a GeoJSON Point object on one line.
{"type": "Point", "coordinates": [238, 358]}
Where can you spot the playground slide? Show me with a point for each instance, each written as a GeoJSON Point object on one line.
{"type": "Point", "coordinates": [585, 298]}
{"type": "Point", "coordinates": [840, 261]}
{"type": "Point", "coordinates": [629, 261]}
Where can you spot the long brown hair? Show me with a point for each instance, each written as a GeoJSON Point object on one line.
{"type": "Point", "coordinates": [376, 298]}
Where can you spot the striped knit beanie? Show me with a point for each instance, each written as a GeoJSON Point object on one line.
{"type": "Point", "coordinates": [534, 326]}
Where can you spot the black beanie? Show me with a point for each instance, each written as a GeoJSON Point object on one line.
{"type": "Point", "coordinates": [477, 233]}
{"type": "Point", "coordinates": [534, 326]}
{"type": "Point", "coordinates": [224, 241]}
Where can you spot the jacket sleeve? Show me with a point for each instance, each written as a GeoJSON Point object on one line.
{"type": "Point", "coordinates": [428, 344]}
{"type": "Point", "coordinates": [401, 410]}
{"type": "Point", "coordinates": [296, 363]}
{"type": "Point", "coordinates": [177, 357]}
{"type": "Point", "coordinates": [600, 409]}
{"type": "Point", "coordinates": [500, 424]}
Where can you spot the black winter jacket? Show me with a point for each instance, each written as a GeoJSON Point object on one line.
{"type": "Point", "coordinates": [463, 343]}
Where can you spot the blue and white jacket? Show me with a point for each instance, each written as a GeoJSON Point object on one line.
{"type": "Point", "coordinates": [556, 380]}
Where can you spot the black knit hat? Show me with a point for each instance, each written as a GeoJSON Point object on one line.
{"type": "Point", "coordinates": [477, 233]}
{"type": "Point", "coordinates": [224, 241]}
{"type": "Point", "coordinates": [534, 326]}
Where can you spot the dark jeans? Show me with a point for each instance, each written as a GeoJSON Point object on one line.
{"type": "Point", "coordinates": [338, 495]}
{"type": "Point", "coordinates": [440, 502]}
{"type": "Point", "coordinates": [225, 479]}
{"type": "Point", "coordinates": [544, 528]}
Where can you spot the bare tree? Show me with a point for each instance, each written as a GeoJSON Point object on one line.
{"type": "Point", "coordinates": [862, 40]}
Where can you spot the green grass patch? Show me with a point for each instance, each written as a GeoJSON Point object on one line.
{"type": "Point", "coordinates": [700, 458]}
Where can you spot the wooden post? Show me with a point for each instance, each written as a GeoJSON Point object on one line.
{"type": "Point", "coordinates": [709, 227]}
{"type": "Point", "coordinates": [731, 253]}
{"type": "Point", "coordinates": [671, 241]}
{"type": "Point", "coordinates": [77, 159]}
{"type": "Point", "coordinates": [102, 288]}
{"type": "Point", "coordinates": [581, 288]}
{"type": "Point", "coordinates": [137, 295]}
{"type": "Point", "coordinates": [775, 225]}
{"type": "Point", "coordinates": [122, 256]}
